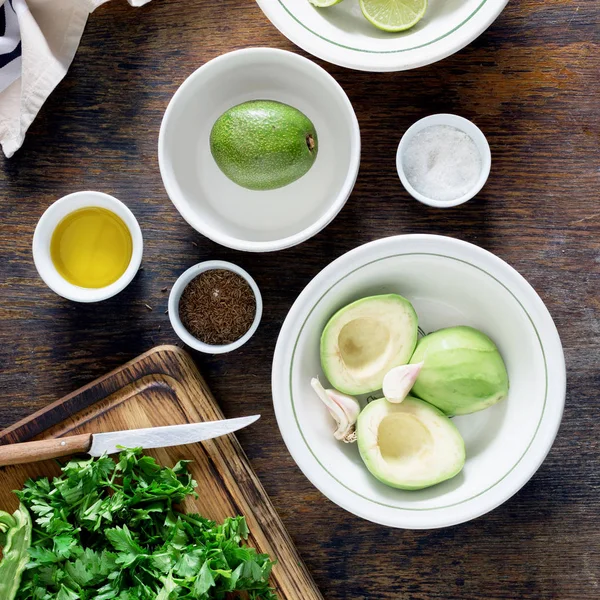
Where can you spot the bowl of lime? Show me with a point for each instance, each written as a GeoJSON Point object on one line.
{"type": "Point", "coordinates": [419, 381]}
{"type": "Point", "coordinates": [382, 35]}
{"type": "Point", "coordinates": [259, 149]}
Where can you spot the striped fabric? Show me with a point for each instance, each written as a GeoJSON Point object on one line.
{"type": "Point", "coordinates": [10, 45]}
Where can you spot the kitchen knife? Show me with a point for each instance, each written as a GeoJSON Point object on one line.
{"type": "Point", "coordinates": [97, 444]}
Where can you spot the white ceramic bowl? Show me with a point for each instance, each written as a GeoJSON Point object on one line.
{"type": "Point", "coordinates": [449, 283]}
{"type": "Point", "coordinates": [258, 221]}
{"type": "Point", "coordinates": [175, 296]}
{"type": "Point", "coordinates": [341, 35]}
{"type": "Point", "coordinates": [43, 236]}
{"type": "Point", "coordinates": [467, 127]}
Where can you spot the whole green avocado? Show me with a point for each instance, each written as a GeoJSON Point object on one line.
{"type": "Point", "coordinates": [263, 144]}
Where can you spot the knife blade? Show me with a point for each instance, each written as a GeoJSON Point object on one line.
{"type": "Point", "coordinates": [163, 437]}
{"type": "Point", "coordinates": [96, 444]}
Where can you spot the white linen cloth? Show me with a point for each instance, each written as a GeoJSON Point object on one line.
{"type": "Point", "coordinates": [49, 32]}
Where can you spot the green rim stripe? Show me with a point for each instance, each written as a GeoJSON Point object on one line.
{"type": "Point", "coordinates": [289, 12]}
{"type": "Point", "coordinates": [528, 445]}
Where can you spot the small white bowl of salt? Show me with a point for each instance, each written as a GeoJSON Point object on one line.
{"type": "Point", "coordinates": [443, 160]}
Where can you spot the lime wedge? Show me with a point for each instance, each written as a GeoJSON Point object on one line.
{"type": "Point", "coordinates": [324, 3]}
{"type": "Point", "coordinates": [393, 15]}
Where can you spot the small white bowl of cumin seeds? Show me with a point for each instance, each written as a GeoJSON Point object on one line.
{"type": "Point", "coordinates": [215, 307]}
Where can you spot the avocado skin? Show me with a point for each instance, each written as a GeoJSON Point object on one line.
{"type": "Point", "coordinates": [262, 144]}
{"type": "Point", "coordinates": [463, 371]}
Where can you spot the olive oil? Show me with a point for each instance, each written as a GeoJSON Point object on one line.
{"type": "Point", "coordinates": [91, 247]}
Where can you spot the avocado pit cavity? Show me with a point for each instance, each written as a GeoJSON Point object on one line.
{"type": "Point", "coordinates": [362, 342]}
{"type": "Point", "coordinates": [402, 437]}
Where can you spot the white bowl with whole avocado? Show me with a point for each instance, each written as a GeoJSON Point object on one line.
{"type": "Point", "coordinates": [487, 376]}
{"type": "Point", "coordinates": [259, 149]}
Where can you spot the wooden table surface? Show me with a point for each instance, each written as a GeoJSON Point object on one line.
{"type": "Point", "coordinates": [531, 82]}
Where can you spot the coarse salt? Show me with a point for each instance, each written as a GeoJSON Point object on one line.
{"type": "Point", "coordinates": [442, 162]}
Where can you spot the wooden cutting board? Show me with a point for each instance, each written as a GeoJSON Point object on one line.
{"type": "Point", "coordinates": [163, 387]}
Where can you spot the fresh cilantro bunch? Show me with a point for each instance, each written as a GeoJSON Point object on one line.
{"type": "Point", "coordinates": [107, 530]}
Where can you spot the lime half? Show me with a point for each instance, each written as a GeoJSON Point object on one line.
{"type": "Point", "coordinates": [324, 3]}
{"type": "Point", "coordinates": [393, 15]}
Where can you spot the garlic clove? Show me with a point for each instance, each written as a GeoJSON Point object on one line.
{"type": "Point", "coordinates": [398, 382]}
{"type": "Point", "coordinates": [348, 404]}
{"type": "Point", "coordinates": [344, 409]}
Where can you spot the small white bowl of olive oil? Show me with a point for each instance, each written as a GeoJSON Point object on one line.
{"type": "Point", "coordinates": [87, 246]}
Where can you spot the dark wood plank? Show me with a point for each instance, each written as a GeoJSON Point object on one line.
{"type": "Point", "coordinates": [531, 82]}
{"type": "Point", "coordinates": [163, 387]}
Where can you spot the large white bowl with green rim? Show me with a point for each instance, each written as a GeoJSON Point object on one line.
{"type": "Point", "coordinates": [342, 36]}
{"type": "Point", "coordinates": [449, 282]}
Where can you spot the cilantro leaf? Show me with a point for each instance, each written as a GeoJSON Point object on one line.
{"type": "Point", "coordinates": [204, 581]}
{"type": "Point", "coordinates": [111, 530]}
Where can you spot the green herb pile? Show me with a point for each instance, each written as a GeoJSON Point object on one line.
{"type": "Point", "coordinates": [103, 530]}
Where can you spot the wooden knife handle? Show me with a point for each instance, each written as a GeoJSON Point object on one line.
{"type": "Point", "coordinates": [27, 452]}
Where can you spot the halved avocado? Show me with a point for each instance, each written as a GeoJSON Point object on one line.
{"type": "Point", "coordinates": [366, 339]}
{"type": "Point", "coordinates": [409, 446]}
{"type": "Point", "coordinates": [463, 371]}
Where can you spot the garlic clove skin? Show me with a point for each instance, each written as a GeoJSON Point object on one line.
{"type": "Point", "coordinates": [348, 404]}
{"type": "Point", "coordinates": [398, 382]}
{"type": "Point", "coordinates": [344, 409]}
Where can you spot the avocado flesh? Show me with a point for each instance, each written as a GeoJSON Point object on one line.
{"type": "Point", "coordinates": [409, 446]}
{"type": "Point", "coordinates": [463, 371]}
{"type": "Point", "coordinates": [263, 144]}
{"type": "Point", "coordinates": [365, 339]}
